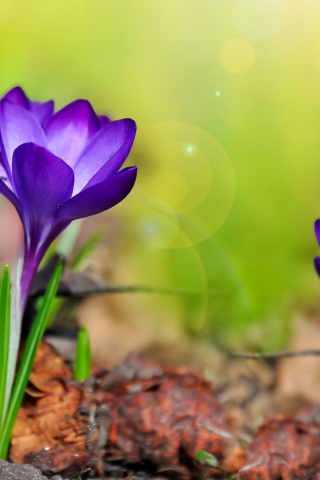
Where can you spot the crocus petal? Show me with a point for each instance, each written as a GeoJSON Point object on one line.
{"type": "Point", "coordinates": [43, 182]}
{"type": "Point", "coordinates": [105, 153]}
{"type": "Point", "coordinates": [317, 265]}
{"type": "Point", "coordinates": [4, 176]}
{"type": "Point", "coordinates": [8, 193]}
{"type": "Point", "coordinates": [17, 126]}
{"type": "Point", "coordinates": [103, 120]}
{"type": "Point", "coordinates": [17, 96]}
{"type": "Point", "coordinates": [70, 129]}
{"type": "Point", "coordinates": [99, 197]}
{"type": "Point", "coordinates": [317, 229]}
{"type": "Point", "coordinates": [3, 173]}
{"type": "Point", "coordinates": [42, 111]}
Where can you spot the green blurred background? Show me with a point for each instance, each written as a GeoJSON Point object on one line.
{"type": "Point", "coordinates": [226, 96]}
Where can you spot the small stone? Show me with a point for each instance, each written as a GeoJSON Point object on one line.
{"type": "Point", "coordinates": [10, 471]}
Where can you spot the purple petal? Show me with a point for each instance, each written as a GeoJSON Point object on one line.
{"type": "Point", "coordinates": [103, 120]}
{"type": "Point", "coordinates": [17, 96]}
{"type": "Point", "coordinates": [43, 182]}
{"type": "Point", "coordinates": [70, 129]}
{"type": "Point", "coordinates": [3, 172]}
{"type": "Point", "coordinates": [105, 154]}
{"type": "Point", "coordinates": [8, 193]}
{"type": "Point", "coordinates": [4, 176]}
{"type": "Point", "coordinates": [17, 126]}
{"type": "Point", "coordinates": [317, 229]}
{"type": "Point", "coordinates": [317, 265]}
{"type": "Point", "coordinates": [98, 198]}
{"type": "Point", "coordinates": [43, 111]}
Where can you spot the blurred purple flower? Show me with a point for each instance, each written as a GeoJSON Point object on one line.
{"type": "Point", "coordinates": [60, 170]}
{"type": "Point", "coordinates": [317, 232]}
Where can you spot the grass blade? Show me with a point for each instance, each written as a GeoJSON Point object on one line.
{"type": "Point", "coordinates": [25, 367]}
{"type": "Point", "coordinates": [5, 301]}
{"type": "Point", "coordinates": [85, 250]}
{"type": "Point", "coordinates": [15, 328]}
{"type": "Point", "coordinates": [68, 238]}
{"type": "Point", "coordinates": [82, 366]}
{"type": "Point", "coordinates": [76, 264]}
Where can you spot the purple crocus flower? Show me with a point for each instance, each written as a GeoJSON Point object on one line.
{"type": "Point", "coordinates": [59, 171]}
{"type": "Point", "coordinates": [42, 110]}
{"type": "Point", "coordinates": [317, 232]}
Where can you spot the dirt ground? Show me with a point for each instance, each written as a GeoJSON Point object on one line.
{"type": "Point", "coordinates": [151, 414]}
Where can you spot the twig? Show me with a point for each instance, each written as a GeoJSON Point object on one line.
{"type": "Point", "coordinates": [275, 356]}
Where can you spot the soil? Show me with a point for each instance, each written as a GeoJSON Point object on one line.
{"type": "Point", "coordinates": [143, 420]}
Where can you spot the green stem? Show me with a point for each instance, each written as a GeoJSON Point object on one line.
{"type": "Point", "coordinates": [82, 366]}
{"type": "Point", "coordinates": [25, 367]}
{"type": "Point", "coordinates": [5, 301]}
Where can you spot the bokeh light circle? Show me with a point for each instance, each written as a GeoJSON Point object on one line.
{"type": "Point", "coordinates": [156, 223]}
{"type": "Point", "coordinates": [258, 19]}
{"type": "Point", "coordinates": [267, 5]}
{"type": "Point", "coordinates": [185, 187]}
{"type": "Point", "coordinates": [237, 55]}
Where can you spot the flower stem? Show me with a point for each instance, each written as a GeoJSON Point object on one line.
{"type": "Point", "coordinates": [30, 266]}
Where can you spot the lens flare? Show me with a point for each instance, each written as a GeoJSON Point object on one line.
{"type": "Point", "coordinates": [258, 20]}
{"type": "Point", "coordinates": [237, 55]}
{"type": "Point", "coordinates": [186, 185]}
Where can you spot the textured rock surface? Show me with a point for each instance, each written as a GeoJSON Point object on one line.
{"type": "Point", "coordinates": [10, 471]}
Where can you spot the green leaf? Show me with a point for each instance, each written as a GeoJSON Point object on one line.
{"type": "Point", "coordinates": [85, 250]}
{"type": "Point", "coordinates": [29, 353]}
{"type": "Point", "coordinates": [206, 458]}
{"type": "Point", "coordinates": [68, 238]}
{"type": "Point", "coordinates": [5, 304]}
{"type": "Point", "coordinates": [76, 263]}
{"type": "Point", "coordinates": [82, 366]}
{"type": "Point", "coordinates": [15, 329]}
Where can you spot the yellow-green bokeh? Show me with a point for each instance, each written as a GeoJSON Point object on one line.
{"type": "Point", "coordinates": [233, 85]}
